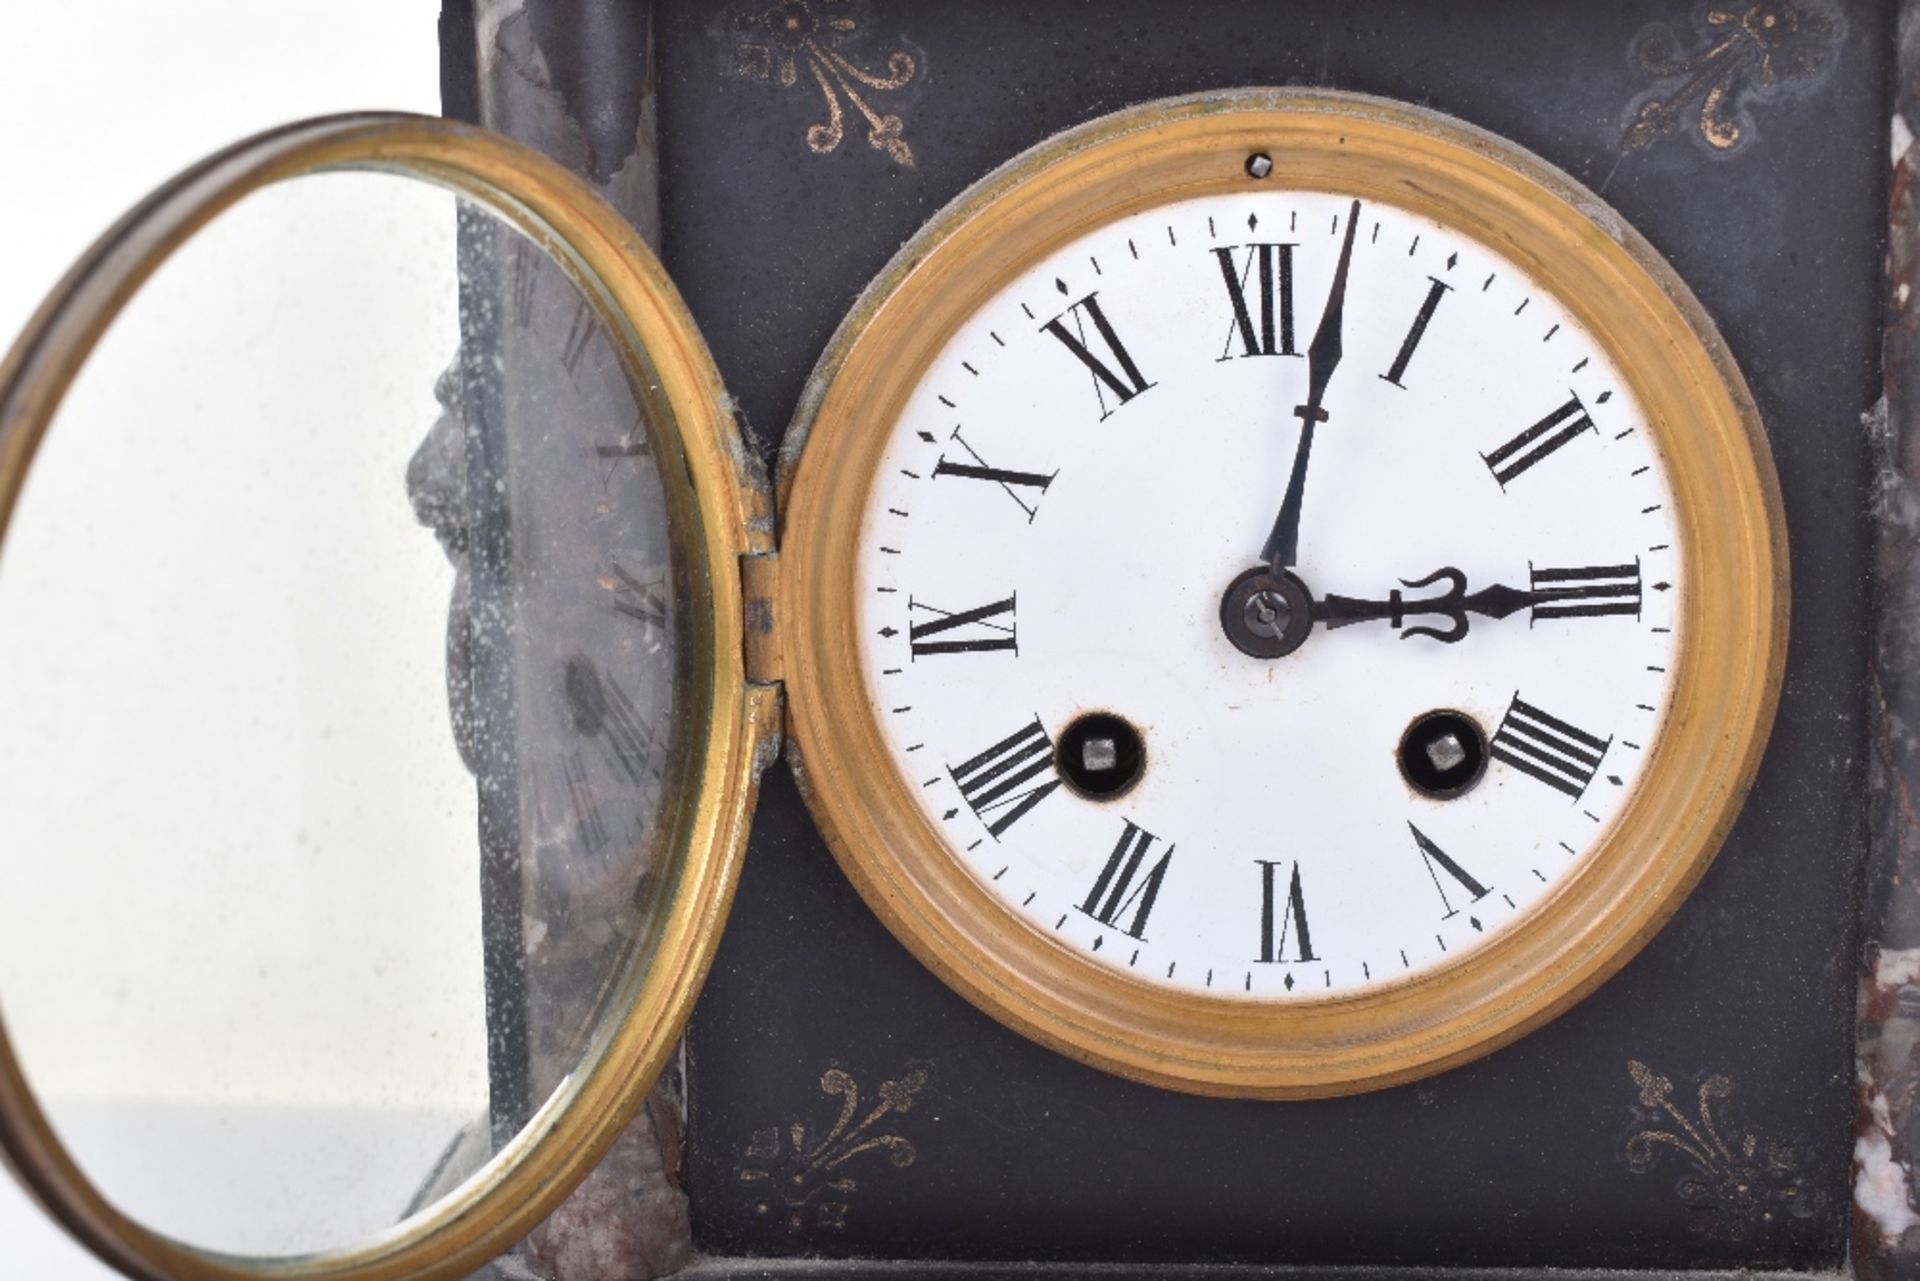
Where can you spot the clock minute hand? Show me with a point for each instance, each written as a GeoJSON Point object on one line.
{"type": "Point", "coordinates": [1455, 604]}
{"type": "Point", "coordinates": [1323, 357]}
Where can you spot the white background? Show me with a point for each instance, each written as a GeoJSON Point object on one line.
{"type": "Point", "coordinates": [101, 102]}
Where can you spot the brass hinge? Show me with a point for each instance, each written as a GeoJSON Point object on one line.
{"type": "Point", "coordinates": [759, 585]}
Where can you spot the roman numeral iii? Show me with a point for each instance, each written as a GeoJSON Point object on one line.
{"type": "Point", "coordinates": [1003, 784]}
{"type": "Point", "coordinates": [1071, 327]}
{"type": "Point", "coordinates": [1264, 326]}
{"type": "Point", "coordinates": [1121, 889]}
{"type": "Point", "coordinates": [1538, 442]}
{"type": "Point", "coordinates": [1586, 591]}
{"type": "Point", "coordinates": [1283, 924]}
{"type": "Point", "coordinates": [1562, 756]}
{"type": "Point", "coordinates": [982, 629]}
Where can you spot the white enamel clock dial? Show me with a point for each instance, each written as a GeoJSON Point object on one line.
{"type": "Point", "coordinates": [1484, 533]}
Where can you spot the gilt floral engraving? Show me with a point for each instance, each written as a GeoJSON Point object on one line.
{"type": "Point", "coordinates": [1737, 1186]}
{"type": "Point", "coordinates": [1740, 54]}
{"type": "Point", "coordinates": [801, 1173]}
{"type": "Point", "coordinates": [820, 36]}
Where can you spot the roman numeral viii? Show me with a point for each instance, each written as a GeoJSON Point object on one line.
{"type": "Point", "coordinates": [1586, 591]}
{"type": "Point", "coordinates": [1121, 888]}
{"type": "Point", "coordinates": [1538, 442]}
{"type": "Point", "coordinates": [1003, 784]}
{"type": "Point", "coordinates": [1562, 756]}
{"type": "Point", "coordinates": [1283, 923]}
{"type": "Point", "coordinates": [1071, 328]}
{"type": "Point", "coordinates": [1264, 326]}
{"type": "Point", "coordinates": [982, 629]}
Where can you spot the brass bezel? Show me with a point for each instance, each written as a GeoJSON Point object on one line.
{"type": "Point", "coordinates": [1733, 626]}
{"type": "Point", "coordinates": [652, 332]}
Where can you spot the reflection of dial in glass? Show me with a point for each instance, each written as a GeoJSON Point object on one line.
{"type": "Point", "coordinates": [1286, 639]}
{"type": "Point", "coordinates": [1133, 411]}
{"type": "Point", "coordinates": [585, 610]}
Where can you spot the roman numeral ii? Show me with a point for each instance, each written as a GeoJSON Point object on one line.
{"type": "Point", "coordinates": [1538, 442]}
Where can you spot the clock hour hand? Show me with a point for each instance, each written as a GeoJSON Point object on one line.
{"type": "Point", "coordinates": [1454, 604]}
{"type": "Point", "coordinates": [1323, 356]}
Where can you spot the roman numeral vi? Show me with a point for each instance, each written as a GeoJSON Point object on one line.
{"type": "Point", "coordinates": [1282, 923]}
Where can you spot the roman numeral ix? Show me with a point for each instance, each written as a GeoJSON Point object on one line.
{"type": "Point", "coordinates": [1123, 385]}
{"type": "Point", "coordinates": [1270, 267]}
{"type": "Point", "coordinates": [1003, 784]}
{"type": "Point", "coordinates": [1562, 756]}
{"type": "Point", "coordinates": [1121, 888]}
{"type": "Point", "coordinates": [968, 631]}
{"type": "Point", "coordinates": [1288, 918]}
{"type": "Point", "coordinates": [1538, 442]}
{"type": "Point", "coordinates": [1586, 591]}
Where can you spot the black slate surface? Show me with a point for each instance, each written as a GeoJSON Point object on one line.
{"type": "Point", "coordinates": [1517, 1160]}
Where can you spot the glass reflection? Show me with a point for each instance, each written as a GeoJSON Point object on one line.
{"type": "Point", "coordinates": [314, 887]}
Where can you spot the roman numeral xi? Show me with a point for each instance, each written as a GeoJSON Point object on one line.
{"type": "Point", "coordinates": [1071, 327]}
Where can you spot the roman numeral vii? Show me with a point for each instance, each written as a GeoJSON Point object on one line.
{"type": "Point", "coordinates": [1121, 888]}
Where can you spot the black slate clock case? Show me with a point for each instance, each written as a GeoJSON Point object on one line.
{"type": "Point", "coordinates": [1695, 1111]}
